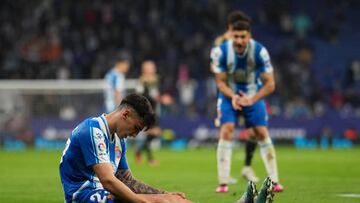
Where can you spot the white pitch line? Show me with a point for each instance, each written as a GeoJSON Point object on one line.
{"type": "Point", "coordinates": [349, 195]}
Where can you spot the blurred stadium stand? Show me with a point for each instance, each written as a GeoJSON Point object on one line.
{"type": "Point", "coordinates": [314, 46]}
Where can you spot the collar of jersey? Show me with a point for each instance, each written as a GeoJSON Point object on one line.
{"type": "Point", "coordinates": [106, 125]}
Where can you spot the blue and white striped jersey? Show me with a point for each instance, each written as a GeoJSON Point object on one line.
{"type": "Point", "coordinates": [88, 145]}
{"type": "Point", "coordinates": [115, 81]}
{"type": "Point", "coordinates": [244, 70]}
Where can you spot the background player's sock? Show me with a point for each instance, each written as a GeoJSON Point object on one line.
{"type": "Point", "coordinates": [250, 147]}
{"type": "Point", "coordinates": [267, 152]}
{"type": "Point", "coordinates": [224, 151]}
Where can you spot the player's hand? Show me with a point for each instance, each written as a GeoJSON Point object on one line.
{"type": "Point", "coordinates": [245, 100]}
{"type": "Point", "coordinates": [235, 101]}
{"type": "Point", "coordinates": [181, 194]}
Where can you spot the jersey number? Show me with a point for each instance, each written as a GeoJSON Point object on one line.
{"type": "Point", "coordinates": [97, 198]}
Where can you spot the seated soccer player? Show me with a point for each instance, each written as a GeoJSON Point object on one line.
{"type": "Point", "coordinates": [95, 152]}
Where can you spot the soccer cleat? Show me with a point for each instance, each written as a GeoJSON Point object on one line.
{"type": "Point", "coordinates": [266, 193]}
{"type": "Point", "coordinates": [138, 159]}
{"type": "Point", "coordinates": [278, 187]}
{"type": "Point", "coordinates": [249, 194]}
{"type": "Point", "coordinates": [249, 174]}
{"type": "Point", "coordinates": [153, 162]}
{"type": "Point", "coordinates": [223, 188]}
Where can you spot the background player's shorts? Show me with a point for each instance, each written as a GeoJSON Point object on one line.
{"type": "Point", "coordinates": [95, 196]}
{"type": "Point", "coordinates": [255, 115]}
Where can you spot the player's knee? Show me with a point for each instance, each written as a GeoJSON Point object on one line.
{"type": "Point", "coordinates": [262, 136]}
{"type": "Point", "coordinates": [226, 133]}
{"type": "Point", "coordinates": [261, 133]}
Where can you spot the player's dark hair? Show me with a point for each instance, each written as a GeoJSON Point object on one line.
{"type": "Point", "coordinates": [142, 107]}
{"type": "Point", "coordinates": [121, 57]}
{"type": "Point", "coordinates": [241, 25]}
{"type": "Point", "coordinates": [235, 16]}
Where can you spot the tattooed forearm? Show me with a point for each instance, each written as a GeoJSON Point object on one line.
{"type": "Point", "coordinates": [136, 186]}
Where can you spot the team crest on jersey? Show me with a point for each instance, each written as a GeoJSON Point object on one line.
{"type": "Point", "coordinates": [101, 147]}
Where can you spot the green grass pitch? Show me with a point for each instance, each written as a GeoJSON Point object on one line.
{"type": "Point", "coordinates": [308, 175]}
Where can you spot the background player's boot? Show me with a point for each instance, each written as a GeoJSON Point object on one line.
{"type": "Point", "coordinates": [248, 173]}
{"type": "Point", "coordinates": [266, 193]}
{"type": "Point", "coordinates": [223, 188]}
{"type": "Point", "coordinates": [232, 180]}
{"type": "Point", "coordinates": [278, 187]}
{"type": "Point", "coordinates": [249, 194]}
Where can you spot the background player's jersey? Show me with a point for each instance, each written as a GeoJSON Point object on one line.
{"type": "Point", "coordinates": [115, 81]}
{"type": "Point", "coordinates": [88, 145]}
{"type": "Point", "coordinates": [244, 70]}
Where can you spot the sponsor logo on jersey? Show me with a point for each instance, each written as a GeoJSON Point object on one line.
{"type": "Point", "coordinates": [117, 152]}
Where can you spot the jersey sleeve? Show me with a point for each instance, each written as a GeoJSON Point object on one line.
{"type": "Point", "coordinates": [264, 61]}
{"type": "Point", "coordinates": [123, 164]}
{"type": "Point", "coordinates": [218, 63]}
{"type": "Point", "coordinates": [93, 146]}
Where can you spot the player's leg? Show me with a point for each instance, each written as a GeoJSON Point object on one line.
{"type": "Point", "coordinates": [257, 119]}
{"type": "Point", "coordinates": [250, 147]}
{"type": "Point", "coordinates": [103, 196]}
{"type": "Point", "coordinates": [164, 198]}
{"type": "Point", "coordinates": [227, 117]}
{"type": "Point", "coordinates": [247, 172]}
{"type": "Point", "coordinates": [140, 145]}
{"type": "Point", "coordinates": [224, 153]}
{"type": "Point", "coordinates": [148, 150]}
{"type": "Point", "coordinates": [268, 155]}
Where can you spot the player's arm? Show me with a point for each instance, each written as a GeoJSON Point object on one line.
{"type": "Point", "coordinates": [221, 82]}
{"type": "Point", "coordinates": [267, 88]}
{"type": "Point", "coordinates": [119, 88]}
{"type": "Point", "coordinates": [117, 96]}
{"type": "Point", "coordinates": [105, 174]}
{"type": "Point", "coordinates": [136, 186]}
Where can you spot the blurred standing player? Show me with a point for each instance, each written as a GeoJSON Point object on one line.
{"type": "Point", "coordinates": [94, 168]}
{"type": "Point", "coordinates": [250, 145]}
{"type": "Point", "coordinates": [115, 80]}
{"type": "Point", "coordinates": [244, 76]}
{"type": "Point", "coordinates": [149, 87]}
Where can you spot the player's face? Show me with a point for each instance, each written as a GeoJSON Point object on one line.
{"type": "Point", "coordinates": [123, 65]}
{"type": "Point", "coordinates": [241, 38]}
{"type": "Point", "coordinates": [148, 68]}
{"type": "Point", "coordinates": [130, 126]}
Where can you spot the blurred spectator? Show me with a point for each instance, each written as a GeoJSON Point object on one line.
{"type": "Point", "coordinates": [302, 25]}
{"type": "Point", "coordinates": [353, 74]}
{"type": "Point", "coordinates": [351, 134]}
{"type": "Point", "coordinates": [186, 88]}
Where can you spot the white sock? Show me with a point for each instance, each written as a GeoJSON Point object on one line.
{"type": "Point", "coordinates": [268, 156]}
{"type": "Point", "coordinates": [224, 151]}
